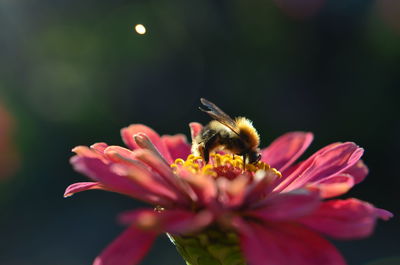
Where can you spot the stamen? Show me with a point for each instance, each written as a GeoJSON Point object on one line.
{"type": "Point", "coordinates": [220, 166]}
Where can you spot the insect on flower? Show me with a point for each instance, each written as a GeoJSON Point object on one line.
{"type": "Point", "coordinates": [237, 136]}
{"type": "Point", "coordinates": [218, 210]}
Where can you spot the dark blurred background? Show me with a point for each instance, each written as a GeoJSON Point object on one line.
{"type": "Point", "coordinates": [75, 72]}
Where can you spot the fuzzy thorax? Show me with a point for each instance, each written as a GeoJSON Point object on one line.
{"type": "Point", "coordinates": [246, 129]}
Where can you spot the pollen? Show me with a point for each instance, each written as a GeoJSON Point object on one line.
{"type": "Point", "coordinates": [225, 165]}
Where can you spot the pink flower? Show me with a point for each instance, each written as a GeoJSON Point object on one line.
{"type": "Point", "coordinates": [275, 210]}
{"type": "Point", "coordinates": [9, 157]}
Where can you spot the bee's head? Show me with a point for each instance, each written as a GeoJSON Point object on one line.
{"type": "Point", "coordinates": [254, 156]}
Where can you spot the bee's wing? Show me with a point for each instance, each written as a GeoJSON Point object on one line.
{"type": "Point", "coordinates": [219, 115]}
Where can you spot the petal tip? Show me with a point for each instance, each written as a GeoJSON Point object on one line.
{"type": "Point", "coordinates": [195, 129]}
{"type": "Point", "coordinates": [384, 214]}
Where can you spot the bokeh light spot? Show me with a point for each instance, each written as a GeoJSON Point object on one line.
{"type": "Point", "coordinates": [140, 29]}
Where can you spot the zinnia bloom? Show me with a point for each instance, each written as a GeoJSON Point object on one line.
{"type": "Point", "coordinates": [274, 212]}
{"type": "Point", "coordinates": [9, 157]}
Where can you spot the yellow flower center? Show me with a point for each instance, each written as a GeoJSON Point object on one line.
{"type": "Point", "coordinates": [226, 165]}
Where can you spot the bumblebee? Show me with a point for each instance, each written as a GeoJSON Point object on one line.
{"type": "Point", "coordinates": [237, 136]}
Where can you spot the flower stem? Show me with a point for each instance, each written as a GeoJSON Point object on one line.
{"type": "Point", "coordinates": [211, 247]}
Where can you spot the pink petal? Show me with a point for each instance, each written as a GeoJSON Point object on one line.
{"type": "Point", "coordinates": [294, 167]}
{"type": "Point", "coordinates": [171, 221]}
{"type": "Point", "coordinates": [140, 173]}
{"type": "Point", "coordinates": [82, 186]}
{"type": "Point", "coordinates": [334, 186]}
{"type": "Point", "coordinates": [285, 244]}
{"type": "Point", "coordinates": [291, 169]}
{"type": "Point", "coordinates": [344, 219]}
{"type": "Point", "coordinates": [254, 250]}
{"type": "Point", "coordinates": [99, 147]}
{"type": "Point", "coordinates": [184, 222]}
{"type": "Point", "coordinates": [165, 172]}
{"type": "Point", "coordinates": [125, 157]}
{"type": "Point", "coordinates": [287, 206]}
{"type": "Point", "coordinates": [118, 154]}
{"type": "Point", "coordinates": [177, 145]}
{"type": "Point", "coordinates": [128, 133]}
{"type": "Point", "coordinates": [155, 162]}
{"type": "Point", "coordinates": [203, 186]}
{"type": "Point", "coordinates": [195, 129]}
{"type": "Point", "coordinates": [383, 214]}
{"type": "Point", "coordinates": [286, 149]}
{"type": "Point", "coordinates": [144, 142]}
{"type": "Point", "coordinates": [98, 171]}
{"type": "Point", "coordinates": [359, 171]}
{"type": "Point", "coordinates": [262, 185]}
{"type": "Point", "coordinates": [231, 192]}
{"type": "Point", "coordinates": [332, 161]}
{"type": "Point", "coordinates": [236, 190]}
{"type": "Point", "coordinates": [85, 151]}
{"type": "Point", "coordinates": [128, 249]}
{"type": "Point", "coordinates": [141, 177]}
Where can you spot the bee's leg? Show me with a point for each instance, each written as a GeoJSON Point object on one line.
{"type": "Point", "coordinates": [200, 150]}
{"type": "Point", "coordinates": [209, 145]}
{"type": "Point", "coordinates": [233, 156]}
{"type": "Point", "coordinates": [206, 155]}
{"type": "Point", "coordinates": [244, 162]}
